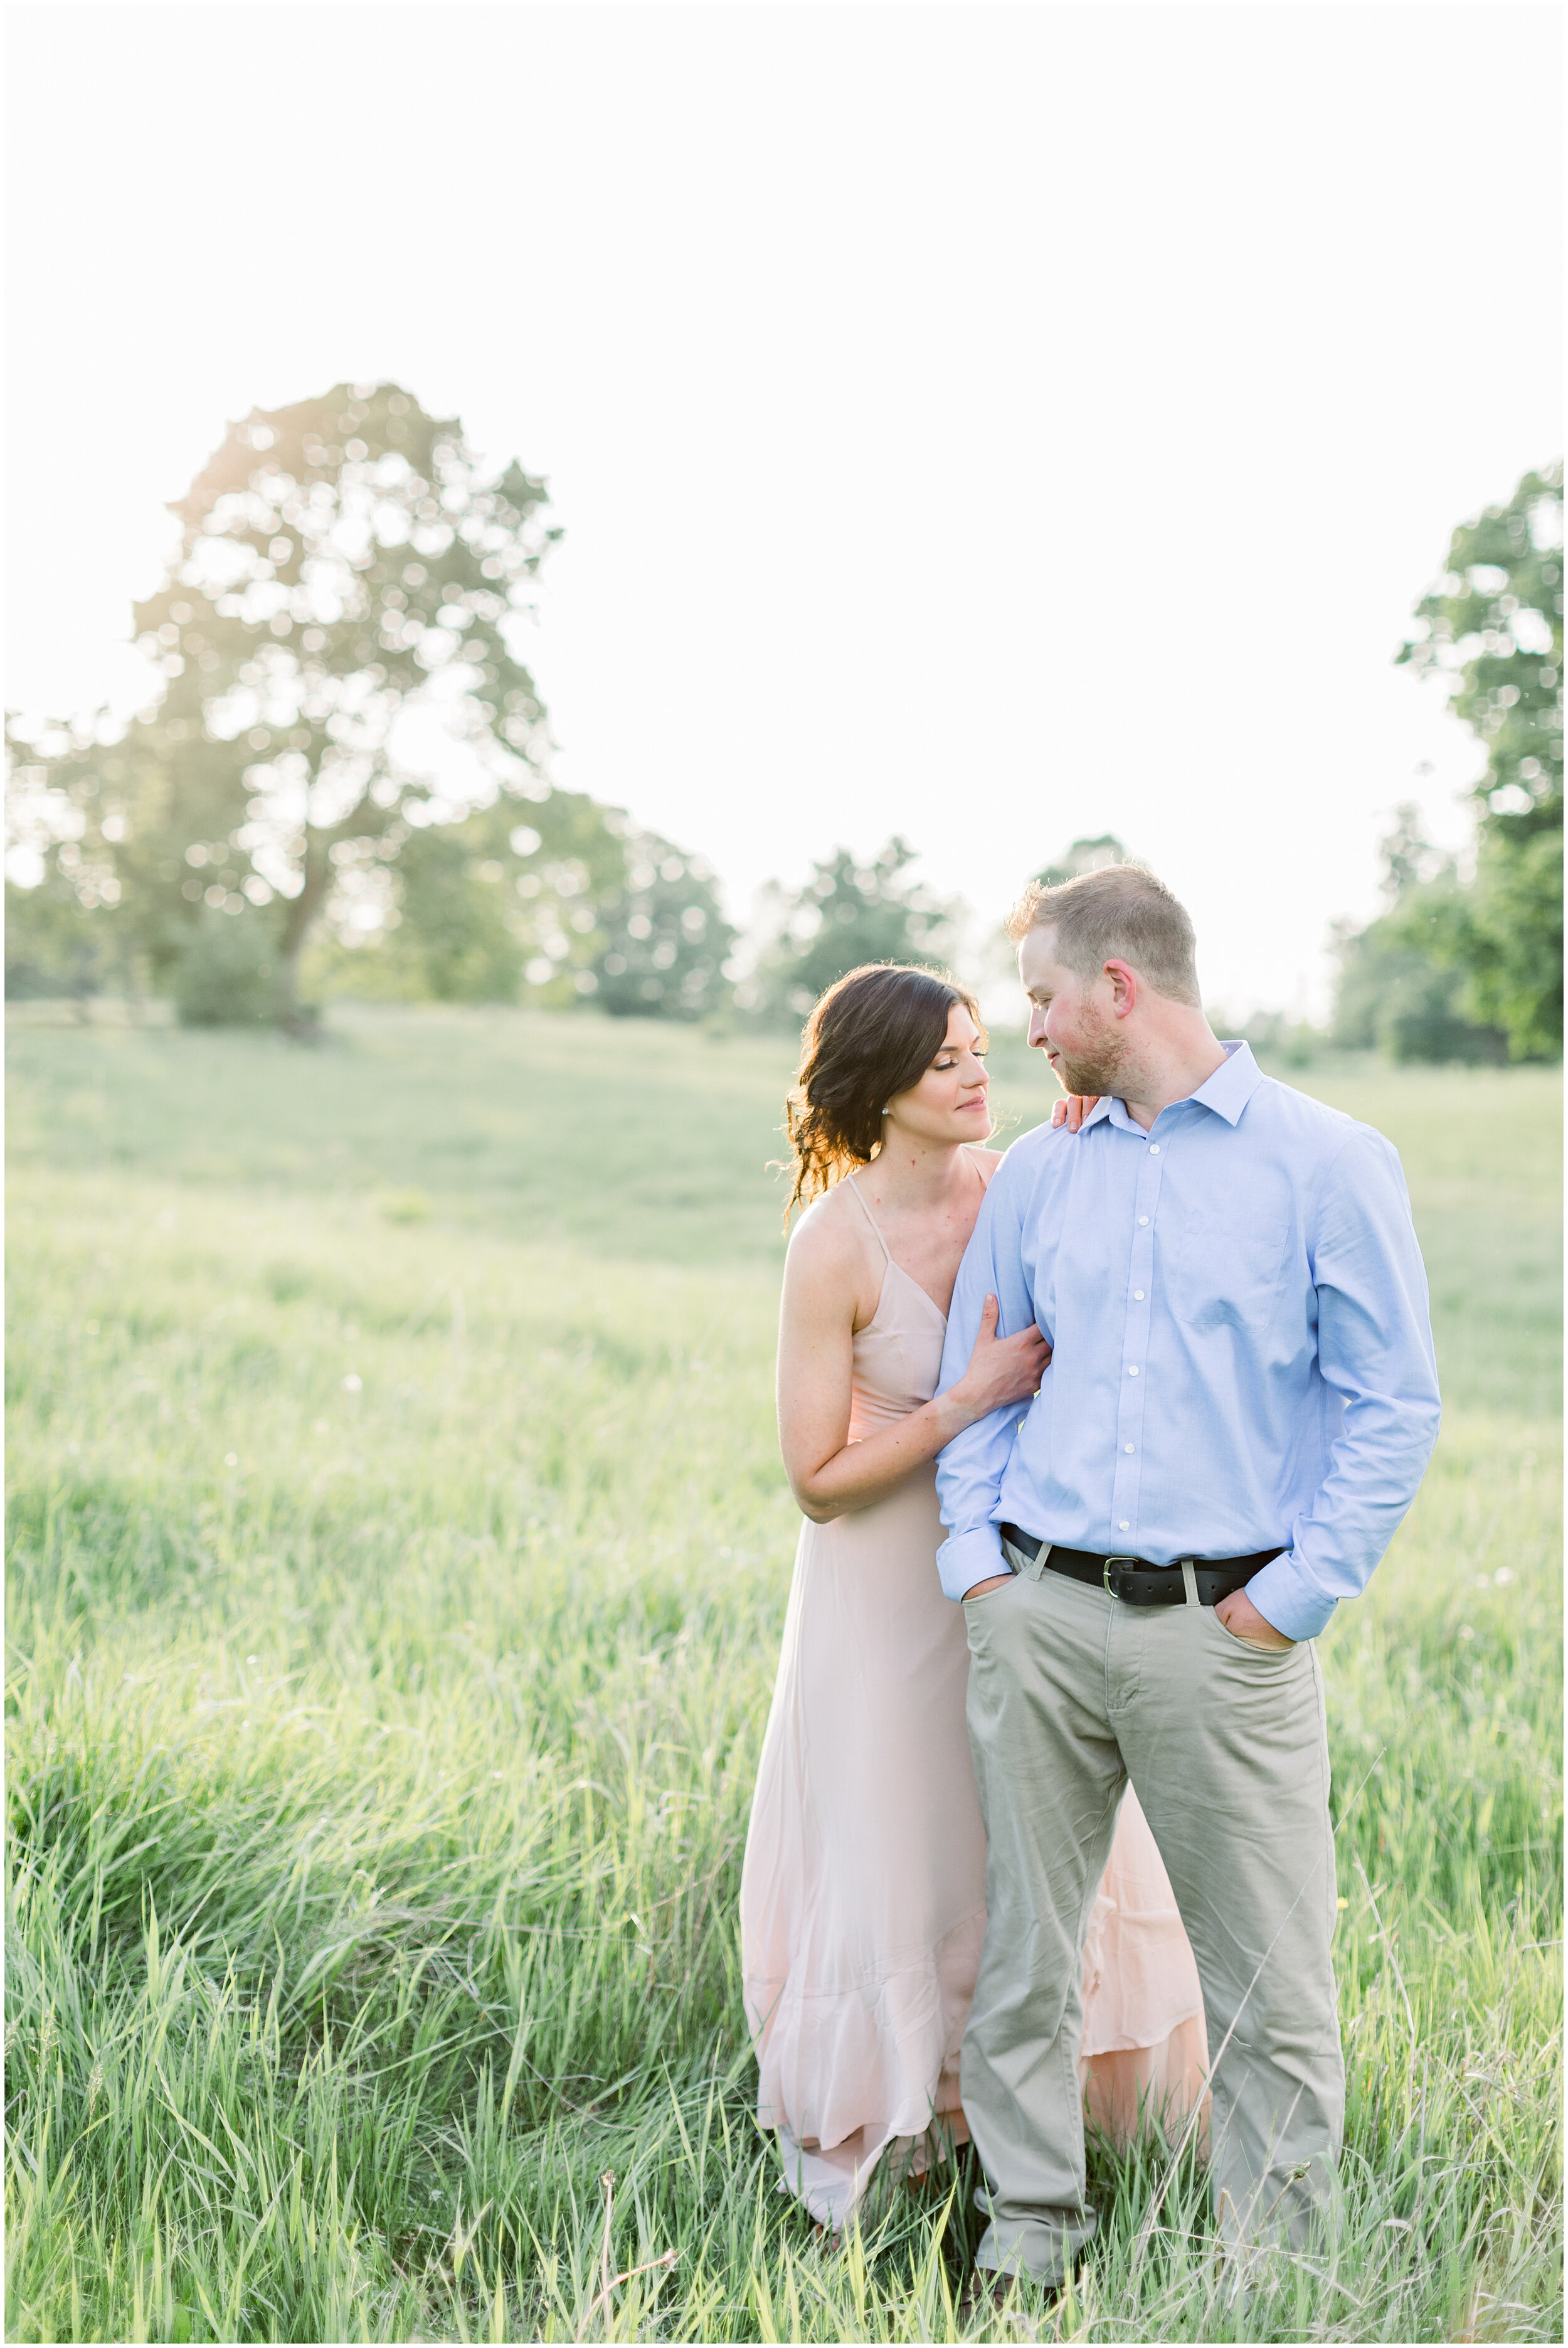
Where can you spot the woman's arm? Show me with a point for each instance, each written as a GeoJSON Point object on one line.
{"type": "Point", "coordinates": [828, 1474]}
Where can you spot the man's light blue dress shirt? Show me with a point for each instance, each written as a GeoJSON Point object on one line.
{"type": "Point", "coordinates": [1242, 1351]}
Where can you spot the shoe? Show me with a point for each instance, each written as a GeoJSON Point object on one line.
{"type": "Point", "coordinates": [985, 2293]}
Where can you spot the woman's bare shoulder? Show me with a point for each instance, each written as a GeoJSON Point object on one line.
{"type": "Point", "coordinates": [989, 1160]}
{"type": "Point", "coordinates": [827, 1244]}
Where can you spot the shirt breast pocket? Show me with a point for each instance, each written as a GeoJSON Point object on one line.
{"type": "Point", "coordinates": [1226, 1270]}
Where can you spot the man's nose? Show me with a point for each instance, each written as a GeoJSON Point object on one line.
{"type": "Point", "coordinates": [1036, 1026]}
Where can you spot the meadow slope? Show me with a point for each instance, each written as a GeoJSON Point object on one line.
{"type": "Point", "coordinates": [398, 1553]}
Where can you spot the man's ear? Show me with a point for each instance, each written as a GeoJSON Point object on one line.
{"type": "Point", "coordinates": [1125, 988]}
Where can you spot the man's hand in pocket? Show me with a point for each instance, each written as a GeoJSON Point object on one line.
{"type": "Point", "coordinates": [1243, 1620]}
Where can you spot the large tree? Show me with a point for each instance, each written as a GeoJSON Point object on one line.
{"type": "Point", "coordinates": [336, 641]}
{"type": "Point", "coordinates": [1491, 627]}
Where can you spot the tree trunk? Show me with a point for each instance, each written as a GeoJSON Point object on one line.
{"type": "Point", "coordinates": [291, 1017]}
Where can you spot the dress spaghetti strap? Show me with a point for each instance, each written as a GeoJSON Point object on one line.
{"type": "Point", "coordinates": [886, 1250]}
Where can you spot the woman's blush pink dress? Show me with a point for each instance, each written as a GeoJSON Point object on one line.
{"type": "Point", "coordinates": [863, 1893]}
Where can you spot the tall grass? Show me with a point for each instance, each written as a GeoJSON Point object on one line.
{"type": "Point", "coordinates": [398, 1557]}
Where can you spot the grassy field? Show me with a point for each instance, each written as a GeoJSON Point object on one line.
{"type": "Point", "coordinates": [398, 1557]}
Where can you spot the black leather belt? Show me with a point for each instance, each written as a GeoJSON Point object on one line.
{"type": "Point", "coordinates": [1137, 1582]}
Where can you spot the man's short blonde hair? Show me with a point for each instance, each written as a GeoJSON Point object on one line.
{"type": "Point", "coordinates": [1120, 913]}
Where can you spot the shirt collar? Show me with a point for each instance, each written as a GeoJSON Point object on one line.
{"type": "Point", "coordinates": [1233, 1084]}
{"type": "Point", "coordinates": [1226, 1092]}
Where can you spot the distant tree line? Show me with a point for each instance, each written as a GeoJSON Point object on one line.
{"type": "Point", "coordinates": [348, 598]}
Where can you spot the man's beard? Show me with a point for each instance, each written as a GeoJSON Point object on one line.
{"type": "Point", "coordinates": [1096, 1064]}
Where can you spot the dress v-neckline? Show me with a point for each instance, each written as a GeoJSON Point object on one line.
{"type": "Point", "coordinates": [893, 1265]}
{"type": "Point", "coordinates": [890, 1261]}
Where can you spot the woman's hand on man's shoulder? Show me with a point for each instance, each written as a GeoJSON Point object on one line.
{"type": "Point", "coordinates": [1072, 1110]}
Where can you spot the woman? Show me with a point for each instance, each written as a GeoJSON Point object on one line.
{"type": "Point", "coordinates": [863, 1895]}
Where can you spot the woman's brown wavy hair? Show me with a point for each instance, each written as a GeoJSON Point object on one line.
{"type": "Point", "coordinates": [873, 1033]}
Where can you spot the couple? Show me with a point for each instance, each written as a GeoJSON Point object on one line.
{"type": "Point", "coordinates": [1173, 1361]}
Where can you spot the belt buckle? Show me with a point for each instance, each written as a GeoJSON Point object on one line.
{"type": "Point", "coordinates": [1105, 1573]}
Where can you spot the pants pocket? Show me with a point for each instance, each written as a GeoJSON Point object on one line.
{"type": "Point", "coordinates": [1251, 1646]}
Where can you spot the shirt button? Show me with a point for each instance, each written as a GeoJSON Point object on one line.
{"type": "Point", "coordinates": [1133, 1371]}
{"type": "Point", "coordinates": [1141, 1220]}
{"type": "Point", "coordinates": [1125, 1525]}
{"type": "Point", "coordinates": [1126, 1446]}
{"type": "Point", "coordinates": [1137, 1296]}
{"type": "Point", "coordinates": [1154, 1150]}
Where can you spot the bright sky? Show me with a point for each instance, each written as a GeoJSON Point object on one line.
{"type": "Point", "coordinates": [989, 424]}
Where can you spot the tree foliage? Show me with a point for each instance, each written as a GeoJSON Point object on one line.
{"type": "Point", "coordinates": [54, 946]}
{"type": "Point", "coordinates": [339, 618]}
{"type": "Point", "coordinates": [1402, 986]}
{"type": "Point", "coordinates": [1084, 856]}
{"type": "Point", "coordinates": [847, 913]}
{"type": "Point", "coordinates": [666, 943]}
{"type": "Point", "coordinates": [1493, 629]}
{"type": "Point", "coordinates": [63, 935]}
{"type": "Point", "coordinates": [570, 904]}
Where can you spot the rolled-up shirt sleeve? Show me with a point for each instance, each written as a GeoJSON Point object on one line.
{"type": "Point", "coordinates": [970, 1470]}
{"type": "Point", "coordinates": [1375, 1352]}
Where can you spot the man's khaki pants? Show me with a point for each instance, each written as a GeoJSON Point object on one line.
{"type": "Point", "coordinates": [1071, 1693]}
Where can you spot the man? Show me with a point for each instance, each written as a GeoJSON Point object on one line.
{"type": "Point", "coordinates": [1241, 1403]}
